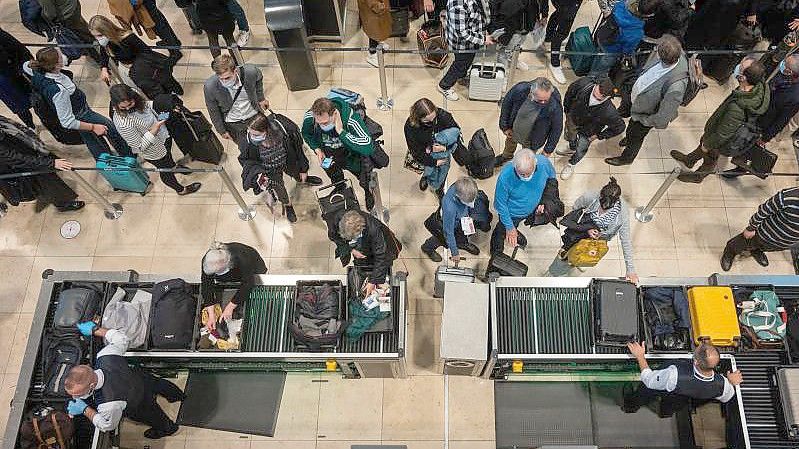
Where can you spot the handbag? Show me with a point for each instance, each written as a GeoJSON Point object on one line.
{"type": "Point", "coordinates": [745, 137]}
{"type": "Point", "coordinates": [587, 252]}
{"type": "Point", "coordinates": [757, 160]}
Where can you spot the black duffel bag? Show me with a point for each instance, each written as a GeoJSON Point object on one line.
{"type": "Point", "coordinates": [172, 315]}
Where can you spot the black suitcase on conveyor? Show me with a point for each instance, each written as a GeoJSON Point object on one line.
{"type": "Point", "coordinates": [616, 314]}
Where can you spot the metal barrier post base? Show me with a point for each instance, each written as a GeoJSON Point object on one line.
{"type": "Point", "coordinates": [385, 104]}
{"type": "Point", "coordinates": [116, 213]}
{"type": "Point", "coordinates": [643, 216]}
{"type": "Point", "coordinates": [247, 214]}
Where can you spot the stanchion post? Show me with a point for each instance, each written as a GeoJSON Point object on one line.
{"type": "Point", "coordinates": [112, 210]}
{"type": "Point", "coordinates": [644, 213]}
{"type": "Point", "coordinates": [246, 213]}
{"type": "Point", "coordinates": [511, 71]}
{"type": "Point", "coordinates": [384, 103]}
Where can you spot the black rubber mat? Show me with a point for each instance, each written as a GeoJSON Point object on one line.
{"type": "Point", "coordinates": [240, 402]}
{"type": "Point", "coordinates": [533, 414]}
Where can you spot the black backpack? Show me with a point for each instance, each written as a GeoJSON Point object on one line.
{"type": "Point", "coordinates": [60, 351]}
{"type": "Point", "coordinates": [480, 163]}
{"type": "Point", "coordinates": [76, 305]}
{"type": "Point", "coordinates": [172, 315]}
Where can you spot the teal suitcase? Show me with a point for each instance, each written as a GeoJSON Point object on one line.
{"type": "Point", "coordinates": [581, 40]}
{"type": "Point", "coordinates": [116, 170]}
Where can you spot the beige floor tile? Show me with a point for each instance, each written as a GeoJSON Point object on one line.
{"type": "Point", "coordinates": [653, 240]}
{"type": "Point", "coordinates": [262, 444]}
{"type": "Point", "coordinates": [699, 231]}
{"type": "Point", "coordinates": [657, 268]}
{"type": "Point", "coordinates": [8, 321]}
{"type": "Point", "coordinates": [414, 408]}
{"type": "Point", "coordinates": [338, 444]}
{"type": "Point", "coordinates": [363, 400]}
{"type": "Point", "coordinates": [471, 408]}
{"type": "Point", "coordinates": [256, 233]}
{"type": "Point", "coordinates": [706, 194]}
{"type": "Point", "coordinates": [51, 242]}
{"type": "Point", "coordinates": [212, 442]}
{"type": "Point", "coordinates": [186, 230]}
{"type": "Point", "coordinates": [299, 408]}
{"type": "Point", "coordinates": [133, 234]}
{"type": "Point", "coordinates": [21, 335]}
{"type": "Point", "coordinates": [747, 191]}
{"type": "Point", "coordinates": [424, 335]}
{"type": "Point", "coordinates": [298, 265]}
{"type": "Point", "coordinates": [20, 230]}
{"type": "Point", "coordinates": [6, 395]}
{"type": "Point", "coordinates": [472, 444]}
{"type": "Point", "coordinates": [302, 239]}
{"type": "Point", "coordinates": [122, 263]}
{"type": "Point", "coordinates": [14, 273]}
{"type": "Point", "coordinates": [41, 264]}
{"type": "Point", "coordinates": [433, 444]}
{"type": "Point", "coordinates": [177, 266]}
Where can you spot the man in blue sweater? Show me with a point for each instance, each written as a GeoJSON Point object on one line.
{"type": "Point", "coordinates": [463, 210]}
{"type": "Point", "coordinates": [520, 187]}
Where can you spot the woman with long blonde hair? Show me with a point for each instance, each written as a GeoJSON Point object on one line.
{"type": "Point", "coordinates": [150, 71]}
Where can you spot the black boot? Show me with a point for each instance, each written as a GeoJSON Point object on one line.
{"type": "Point", "coordinates": [708, 166]}
{"type": "Point", "coordinates": [690, 159]}
{"type": "Point", "coordinates": [440, 192]}
{"type": "Point", "coordinates": [291, 216]}
{"type": "Point", "coordinates": [726, 260]}
{"type": "Point", "coordinates": [423, 184]}
{"type": "Point", "coordinates": [72, 205]}
{"type": "Point", "coordinates": [760, 257]}
{"type": "Point", "coordinates": [433, 255]}
{"type": "Point", "coordinates": [154, 434]}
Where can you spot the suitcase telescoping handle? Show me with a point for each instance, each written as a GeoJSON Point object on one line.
{"type": "Point", "coordinates": [446, 258]}
{"type": "Point", "coordinates": [114, 151]}
{"type": "Point", "coordinates": [318, 192]}
{"type": "Point", "coordinates": [515, 250]}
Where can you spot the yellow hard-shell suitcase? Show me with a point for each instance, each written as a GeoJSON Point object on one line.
{"type": "Point", "coordinates": [713, 316]}
{"type": "Point", "coordinates": [587, 252]}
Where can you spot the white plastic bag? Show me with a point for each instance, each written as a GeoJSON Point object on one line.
{"type": "Point", "coordinates": [535, 38]}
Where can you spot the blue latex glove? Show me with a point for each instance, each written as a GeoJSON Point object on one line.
{"type": "Point", "coordinates": [133, 2]}
{"type": "Point", "coordinates": [87, 327]}
{"type": "Point", "coordinates": [76, 407]}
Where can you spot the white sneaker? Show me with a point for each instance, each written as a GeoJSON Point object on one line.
{"type": "Point", "coordinates": [449, 94]}
{"type": "Point", "coordinates": [521, 65]}
{"type": "Point", "coordinates": [564, 151]}
{"type": "Point", "coordinates": [567, 172]}
{"type": "Point", "coordinates": [371, 59]}
{"type": "Point", "coordinates": [243, 39]}
{"type": "Point", "coordinates": [557, 74]}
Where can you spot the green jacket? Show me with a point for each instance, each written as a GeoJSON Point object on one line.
{"type": "Point", "coordinates": [347, 148]}
{"type": "Point", "coordinates": [733, 111]}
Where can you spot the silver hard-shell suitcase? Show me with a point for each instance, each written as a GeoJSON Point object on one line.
{"type": "Point", "coordinates": [486, 81]}
{"type": "Point", "coordinates": [446, 273]}
{"type": "Point", "coordinates": [788, 387]}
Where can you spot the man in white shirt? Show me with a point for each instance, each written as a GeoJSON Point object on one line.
{"type": "Point", "coordinates": [117, 390]}
{"type": "Point", "coordinates": [696, 379]}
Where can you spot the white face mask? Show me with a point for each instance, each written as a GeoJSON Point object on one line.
{"type": "Point", "coordinates": [736, 72]}
{"type": "Point", "coordinates": [102, 40]}
{"type": "Point", "coordinates": [470, 205]}
{"type": "Point", "coordinates": [230, 82]}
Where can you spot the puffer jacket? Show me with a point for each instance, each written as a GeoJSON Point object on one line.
{"type": "Point", "coordinates": [733, 111]}
{"type": "Point", "coordinates": [671, 17]}
{"type": "Point", "coordinates": [631, 30]}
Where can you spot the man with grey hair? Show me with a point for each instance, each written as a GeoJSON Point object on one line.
{"type": "Point", "coordinates": [695, 379]}
{"type": "Point", "coordinates": [520, 188]}
{"type": "Point", "coordinates": [531, 116]}
{"type": "Point", "coordinates": [463, 208]}
{"type": "Point", "coordinates": [371, 244]}
{"type": "Point", "coordinates": [227, 263]}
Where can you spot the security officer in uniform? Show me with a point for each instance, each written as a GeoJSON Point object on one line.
{"type": "Point", "coordinates": [696, 379]}
{"type": "Point", "coordinates": [117, 390]}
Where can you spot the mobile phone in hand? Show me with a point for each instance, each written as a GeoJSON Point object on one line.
{"type": "Point", "coordinates": [327, 162]}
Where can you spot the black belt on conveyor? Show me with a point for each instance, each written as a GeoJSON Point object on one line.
{"type": "Point", "coordinates": [758, 396]}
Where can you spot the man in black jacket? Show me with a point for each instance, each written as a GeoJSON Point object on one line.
{"type": "Point", "coordinates": [370, 242]}
{"type": "Point", "coordinates": [670, 17]}
{"type": "Point", "coordinates": [229, 263]}
{"type": "Point", "coordinates": [590, 116]}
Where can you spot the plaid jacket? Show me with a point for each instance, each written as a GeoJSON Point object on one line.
{"type": "Point", "coordinates": [466, 24]}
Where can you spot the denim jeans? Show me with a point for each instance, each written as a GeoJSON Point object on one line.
{"type": "Point", "coordinates": [162, 27]}
{"type": "Point", "coordinates": [602, 64]}
{"type": "Point", "coordinates": [577, 142]}
{"type": "Point", "coordinates": [97, 144]}
{"type": "Point", "coordinates": [458, 69]}
{"type": "Point", "coordinates": [235, 9]}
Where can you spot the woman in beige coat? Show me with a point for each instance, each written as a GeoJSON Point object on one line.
{"type": "Point", "coordinates": [376, 23]}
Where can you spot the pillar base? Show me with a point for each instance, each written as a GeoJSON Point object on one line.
{"type": "Point", "coordinates": [247, 214]}
{"type": "Point", "coordinates": [643, 217]}
{"type": "Point", "coordinates": [117, 212]}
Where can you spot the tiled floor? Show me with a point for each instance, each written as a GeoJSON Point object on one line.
{"type": "Point", "coordinates": [164, 233]}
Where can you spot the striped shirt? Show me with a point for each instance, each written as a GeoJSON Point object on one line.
{"type": "Point", "coordinates": [134, 127]}
{"type": "Point", "coordinates": [777, 220]}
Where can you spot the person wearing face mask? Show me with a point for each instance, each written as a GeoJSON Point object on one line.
{"type": "Point", "coordinates": [272, 147]}
{"type": "Point", "coordinates": [340, 139]}
{"type": "Point", "coordinates": [146, 134]}
{"type": "Point", "coordinates": [424, 121]}
{"type": "Point", "coordinates": [118, 390]}
{"type": "Point", "coordinates": [234, 96]}
{"type": "Point", "coordinates": [70, 103]}
{"type": "Point", "coordinates": [150, 71]}
{"type": "Point", "coordinates": [749, 100]}
{"type": "Point", "coordinates": [227, 263]}
{"type": "Point", "coordinates": [520, 188]}
{"type": "Point", "coordinates": [464, 208]}
{"type": "Point", "coordinates": [655, 97]}
{"type": "Point", "coordinates": [531, 116]}
{"type": "Point", "coordinates": [369, 242]}
{"type": "Point", "coordinates": [590, 116]}
{"type": "Point", "coordinates": [602, 215]}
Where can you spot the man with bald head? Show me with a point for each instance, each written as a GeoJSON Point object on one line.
{"type": "Point", "coordinates": [694, 378]}
{"type": "Point", "coordinates": [118, 390]}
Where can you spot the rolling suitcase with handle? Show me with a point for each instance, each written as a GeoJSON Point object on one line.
{"type": "Point", "coordinates": [787, 380]}
{"type": "Point", "coordinates": [714, 318]}
{"type": "Point", "coordinates": [446, 273]}
{"type": "Point", "coordinates": [122, 174]}
{"type": "Point", "coordinates": [486, 81]}
{"type": "Point", "coordinates": [615, 312]}
{"type": "Point", "coordinates": [503, 265]}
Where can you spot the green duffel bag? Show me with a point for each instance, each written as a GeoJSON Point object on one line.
{"type": "Point", "coordinates": [580, 40]}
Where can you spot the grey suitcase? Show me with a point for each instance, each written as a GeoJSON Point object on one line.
{"type": "Point", "coordinates": [615, 312]}
{"type": "Point", "coordinates": [446, 273]}
{"type": "Point", "coordinates": [486, 81]}
{"type": "Point", "coordinates": [788, 387]}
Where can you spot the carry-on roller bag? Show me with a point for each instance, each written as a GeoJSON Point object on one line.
{"type": "Point", "coordinates": [787, 380]}
{"type": "Point", "coordinates": [205, 145]}
{"type": "Point", "coordinates": [503, 265]}
{"type": "Point", "coordinates": [122, 174]}
{"type": "Point", "coordinates": [486, 81]}
{"type": "Point", "coordinates": [758, 161]}
{"type": "Point", "coordinates": [335, 198]}
{"type": "Point", "coordinates": [615, 311]}
{"type": "Point", "coordinates": [76, 305]}
{"type": "Point", "coordinates": [714, 318]}
{"type": "Point", "coordinates": [446, 273]}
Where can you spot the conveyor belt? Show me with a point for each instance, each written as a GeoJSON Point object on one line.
{"type": "Point", "coordinates": [788, 294]}
{"type": "Point", "coordinates": [269, 312]}
{"type": "Point", "coordinates": [762, 422]}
